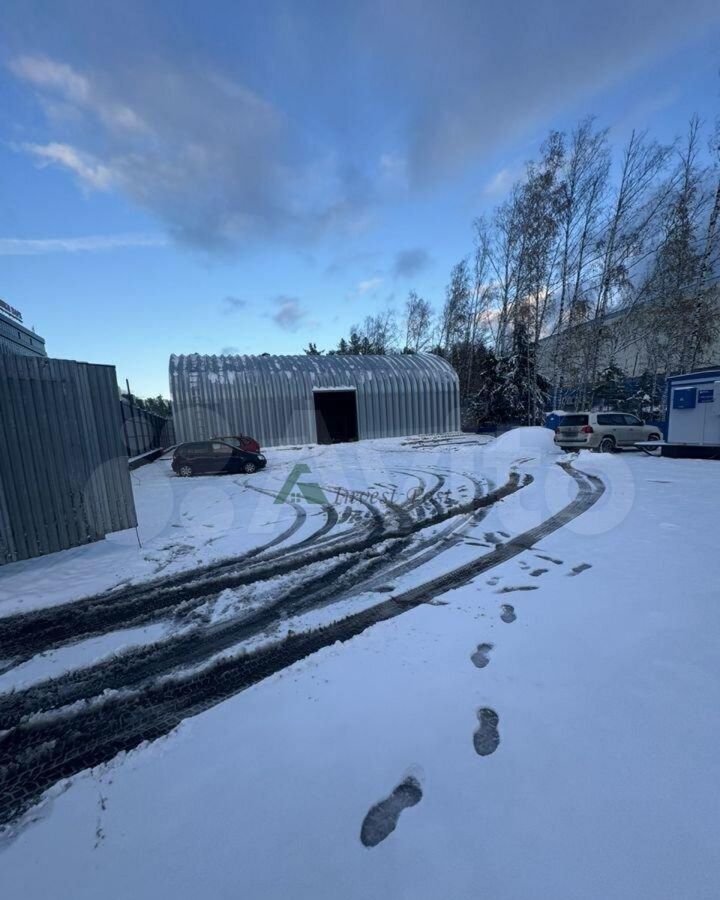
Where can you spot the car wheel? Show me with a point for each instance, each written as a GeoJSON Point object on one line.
{"type": "Point", "coordinates": [654, 437]}
{"type": "Point", "coordinates": [607, 445]}
{"type": "Point", "coordinates": [249, 468]}
{"type": "Point", "coordinates": [185, 471]}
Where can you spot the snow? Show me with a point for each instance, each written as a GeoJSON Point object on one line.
{"type": "Point", "coordinates": [534, 439]}
{"type": "Point", "coordinates": [189, 522]}
{"type": "Point", "coordinates": [606, 686]}
{"type": "Point", "coordinates": [133, 459]}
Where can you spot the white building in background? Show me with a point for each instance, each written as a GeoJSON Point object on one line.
{"type": "Point", "coordinates": [627, 340]}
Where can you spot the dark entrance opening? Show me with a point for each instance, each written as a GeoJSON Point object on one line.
{"type": "Point", "coordinates": [335, 416]}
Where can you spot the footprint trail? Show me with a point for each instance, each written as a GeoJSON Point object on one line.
{"type": "Point", "coordinates": [382, 819]}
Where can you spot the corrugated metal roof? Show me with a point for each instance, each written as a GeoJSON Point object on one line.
{"type": "Point", "coordinates": [271, 397]}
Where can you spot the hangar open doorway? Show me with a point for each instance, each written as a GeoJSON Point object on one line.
{"type": "Point", "coordinates": [335, 416]}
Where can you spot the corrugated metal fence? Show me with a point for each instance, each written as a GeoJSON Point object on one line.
{"type": "Point", "coordinates": [144, 431]}
{"type": "Point", "coordinates": [64, 476]}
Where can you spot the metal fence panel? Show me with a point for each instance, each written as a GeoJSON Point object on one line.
{"type": "Point", "coordinates": [144, 431]}
{"type": "Point", "coordinates": [64, 478]}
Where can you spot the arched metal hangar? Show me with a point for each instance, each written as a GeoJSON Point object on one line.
{"type": "Point", "coordinates": [313, 399]}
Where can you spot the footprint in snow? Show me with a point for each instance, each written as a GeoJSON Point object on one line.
{"type": "Point", "coordinates": [382, 819]}
{"type": "Point", "coordinates": [508, 589]}
{"type": "Point", "coordinates": [536, 573]}
{"type": "Point", "coordinates": [487, 737]}
{"type": "Point", "coordinates": [576, 570]}
{"type": "Point", "coordinates": [508, 613]}
{"type": "Point", "coordinates": [557, 562]}
{"type": "Point", "coordinates": [480, 656]}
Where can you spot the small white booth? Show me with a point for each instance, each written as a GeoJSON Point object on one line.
{"type": "Point", "coordinates": [693, 405]}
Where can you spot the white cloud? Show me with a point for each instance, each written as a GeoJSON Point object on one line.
{"type": "Point", "coordinates": [501, 182]}
{"type": "Point", "coordinates": [394, 169]}
{"type": "Point", "coordinates": [494, 84]}
{"type": "Point", "coordinates": [264, 151]}
{"type": "Point", "coordinates": [63, 80]}
{"type": "Point", "coordinates": [370, 284]}
{"type": "Point", "coordinates": [211, 158]}
{"type": "Point", "coordinates": [91, 244]}
{"type": "Point", "coordinates": [43, 72]}
{"type": "Point", "coordinates": [89, 171]}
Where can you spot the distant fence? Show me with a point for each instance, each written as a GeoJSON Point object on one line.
{"type": "Point", "coordinates": [64, 478]}
{"type": "Point", "coordinates": [144, 431]}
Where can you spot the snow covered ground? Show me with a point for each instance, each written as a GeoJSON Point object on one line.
{"type": "Point", "coordinates": [576, 756]}
{"type": "Point", "coordinates": [185, 523]}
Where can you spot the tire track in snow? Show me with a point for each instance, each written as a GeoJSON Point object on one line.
{"type": "Point", "coordinates": [134, 666]}
{"type": "Point", "coordinates": [24, 635]}
{"type": "Point", "coordinates": [37, 754]}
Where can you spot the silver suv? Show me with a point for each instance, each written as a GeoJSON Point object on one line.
{"type": "Point", "coordinates": [603, 431]}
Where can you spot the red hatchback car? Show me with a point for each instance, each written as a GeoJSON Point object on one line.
{"type": "Point", "coordinates": [242, 441]}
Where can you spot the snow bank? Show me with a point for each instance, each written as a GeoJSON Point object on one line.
{"type": "Point", "coordinates": [533, 439]}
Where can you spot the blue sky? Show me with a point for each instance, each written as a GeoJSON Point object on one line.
{"type": "Point", "coordinates": [243, 177]}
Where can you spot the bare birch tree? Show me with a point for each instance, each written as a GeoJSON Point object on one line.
{"type": "Point", "coordinates": [418, 324]}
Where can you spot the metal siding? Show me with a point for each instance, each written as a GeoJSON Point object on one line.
{"type": "Point", "coordinates": [64, 479]}
{"type": "Point", "coordinates": [13, 458]}
{"type": "Point", "coordinates": [143, 430]}
{"type": "Point", "coordinates": [271, 397]}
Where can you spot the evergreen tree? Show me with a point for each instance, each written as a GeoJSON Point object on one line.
{"type": "Point", "coordinates": [611, 390]}
{"type": "Point", "coordinates": [157, 405]}
{"type": "Point", "coordinates": [526, 390]}
{"type": "Point", "coordinates": [489, 404]}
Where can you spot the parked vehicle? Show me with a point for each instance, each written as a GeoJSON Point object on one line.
{"type": "Point", "coordinates": [602, 431]}
{"type": "Point", "coordinates": [242, 441]}
{"type": "Point", "coordinates": [215, 457]}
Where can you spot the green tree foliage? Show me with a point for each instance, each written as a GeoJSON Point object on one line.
{"type": "Point", "coordinates": [611, 390]}
{"type": "Point", "coordinates": [157, 405]}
